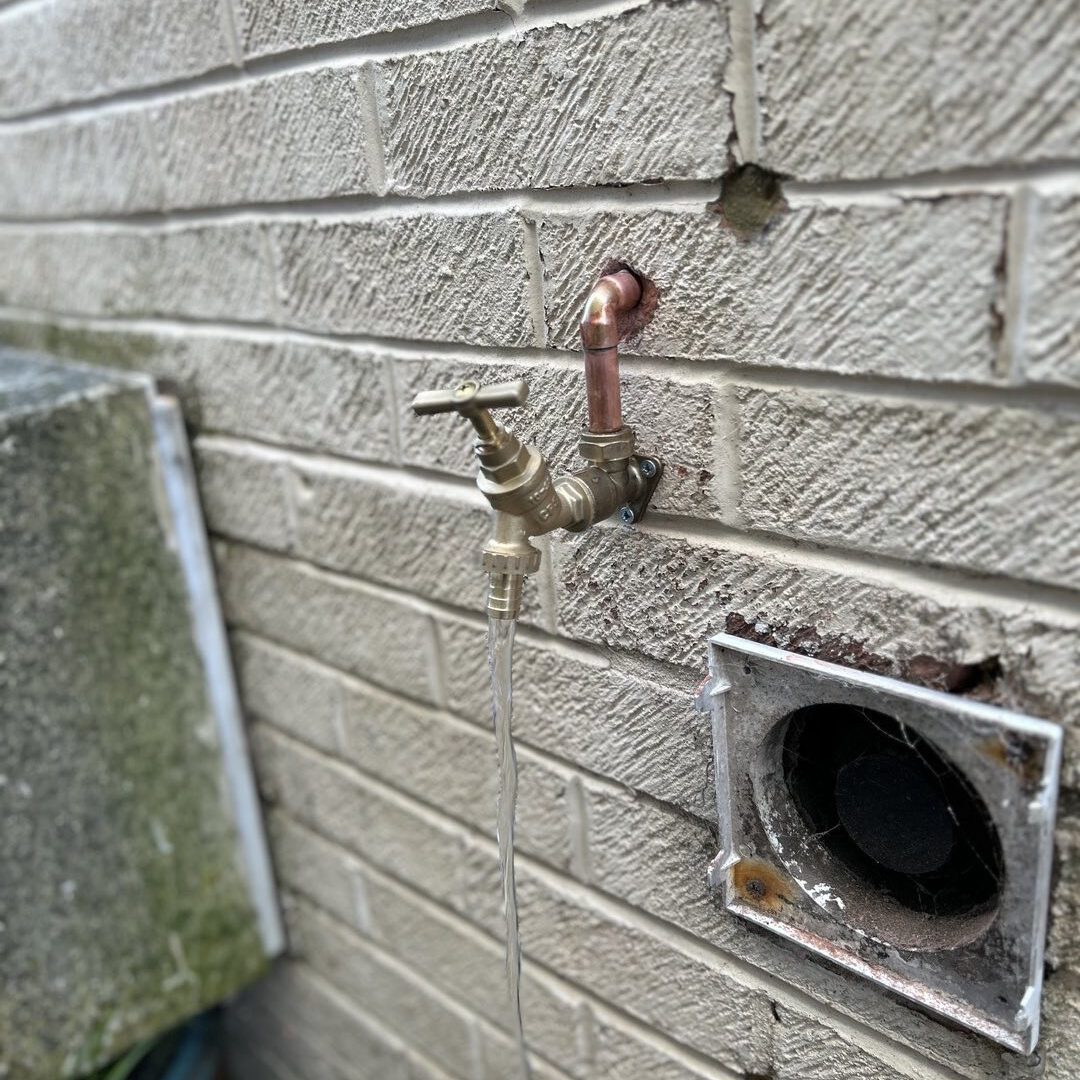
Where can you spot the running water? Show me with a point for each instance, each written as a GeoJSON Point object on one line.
{"type": "Point", "coordinates": [500, 656]}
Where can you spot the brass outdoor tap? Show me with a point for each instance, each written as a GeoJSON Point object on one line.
{"type": "Point", "coordinates": [515, 478]}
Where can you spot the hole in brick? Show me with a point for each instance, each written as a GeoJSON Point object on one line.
{"type": "Point", "coordinates": [750, 199]}
{"type": "Point", "coordinates": [884, 802]}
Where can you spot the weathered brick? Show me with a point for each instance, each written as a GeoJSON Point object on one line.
{"type": "Point", "coordinates": [857, 289]}
{"type": "Point", "coordinates": [271, 26]}
{"type": "Point", "coordinates": [451, 765]}
{"type": "Point", "coordinates": [806, 1049]}
{"type": "Point", "coordinates": [289, 691]}
{"type": "Point", "coordinates": [675, 420]}
{"type": "Point", "coordinates": [350, 625]}
{"type": "Point", "coordinates": [385, 989]}
{"type": "Point", "coordinates": [862, 90]}
{"type": "Point", "coordinates": [664, 595]}
{"type": "Point", "coordinates": [105, 165]}
{"type": "Point", "coordinates": [393, 529]}
{"type": "Point", "coordinates": [66, 50]}
{"type": "Point", "coordinates": [680, 994]}
{"type": "Point", "coordinates": [630, 97]}
{"type": "Point", "coordinates": [198, 272]}
{"type": "Point", "coordinates": [1052, 344]}
{"type": "Point", "coordinates": [295, 136]}
{"type": "Point", "coordinates": [989, 489]}
{"type": "Point", "coordinates": [630, 727]}
{"type": "Point", "coordinates": [244, 496]}
{"type": "Point", "coordinates": [430, 276]}
{"type": "Point", "coordinates": [306, 1023]}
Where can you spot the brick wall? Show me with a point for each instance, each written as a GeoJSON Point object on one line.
{"type": "Point", "coordinates": [865, 383]}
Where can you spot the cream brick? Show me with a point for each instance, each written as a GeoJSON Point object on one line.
{"type": "Point", "coordinates": [201, 272]}
{"type": "Point", "coordinates": [66, 50]}
{"type": "Point", "coordinates": [630, 727]}
{"type": "Point", "coordinates": [244, 497]}
{"type": "Point", "coordinates": [806, 1049]}
{"type": "Point", "coordinates": [1053, 325]}
{"type": "Point", "coordinates": [349, 625]}
{"type": "Point", "coordinates": [289, 691]}
{"type": "Point", "coordinates": [271, 26]}
{"type": "Point", "coordinates": [430, 276]}
{"type": "Point", "coordinates": [451, 766]}
{"type": "Point", "coordinates": [861, 289]}
{"type": "Point", "coordinates": [635, 96]}
{"type": "Point", "coordinates": [987, 489]}
{"type": "Point", "coordinates": [664, 595]}
{"type": "Point", "coordinates": [385, 990]}
{"type": "Point", "coordinates": [683, 996]}
{"type": "Point", "coordinates": [853, 89]}
{"type": "Point", "coordinates": [105, 165]}
{"type": "Point", "coordinates": [295, 136]}
{"type": "Point", "coordinates": [675, 421]}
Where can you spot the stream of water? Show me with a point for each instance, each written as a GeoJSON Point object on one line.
{"type": "Point", "coordinates": [500, 657]}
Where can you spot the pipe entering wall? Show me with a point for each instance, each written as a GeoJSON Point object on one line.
{"type": "Point", "coordinates": [612, 295]}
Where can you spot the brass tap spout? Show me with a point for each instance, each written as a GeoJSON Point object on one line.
{"type": "Point", "coordinates": [514, 477]}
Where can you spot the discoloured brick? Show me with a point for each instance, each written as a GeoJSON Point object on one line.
{"type": "Point", "coordinates": [65, 50]}
{"type": "Point", "coordinates": [852, 89]}
{"type": "Point", "coordinates": [270, 26]}
{"type": "Point", "coordinates": [434, 277]}
{"type": "Point", "coordinates": [860, 289]}
{"type": "Point", "coordinates": [353, 626]}
{"type": "Point", "coordinates": [675, 420]}
{"type": "Point", "coordinates": [632, 97]}
{"type": "Point", "coordinates": [980, 488]}
{"type": "Point", "coordinates": [296, 136]}
{"type": "Point", "coordinates": [1053, 325]}
{"type": "Point", "coordinates": [672, 593]}
{"type": "Point", "coordinates": [202, 272]}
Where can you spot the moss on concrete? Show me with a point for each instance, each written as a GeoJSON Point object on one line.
{"type": "Point", "coordinates": [127, 909]}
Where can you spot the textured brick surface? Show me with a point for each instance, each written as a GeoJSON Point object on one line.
{"type": "Point", "coordinates": [1053, 327]}
{"type": "Point", "coordinates": [851, 89]}
{"type": "Point", "coordinates": [851, 290]}
{"type": "Point", "coordinates": [673, 593]}
{"type": "Point", "coordinates": [105, 165]}
{"type": "Point", "coordinates": [299, 136]}
{"type": "Point", "coordinates": [197, 271]}
{"type": "Point", "coordinates": [270, 26]}
{"type": "Point", "coordinates": [431, 277]}
{"type": "Point", "coordinates": [352, 626]}
{"type": "Point", "coordinates": [65, 50]}
{"type": "Point", "coordinates": [675, 420]}
{"type": "Point", "coordinates": [631, 97]}
{"type": "Point", "coordinates": [986, 489]}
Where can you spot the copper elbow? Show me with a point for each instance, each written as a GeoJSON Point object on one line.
{"type": "Point", "coordinates": [612, 295]}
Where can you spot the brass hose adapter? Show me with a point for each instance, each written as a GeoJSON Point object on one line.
{"type": "Point", "coordinates": [515, 477]}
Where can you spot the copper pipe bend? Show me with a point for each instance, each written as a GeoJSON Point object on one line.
{"type": "Point", "coordinates": [612, 295]}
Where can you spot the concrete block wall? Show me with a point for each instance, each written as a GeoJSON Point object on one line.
{"type": "Point", "coordinates": [863, 374]}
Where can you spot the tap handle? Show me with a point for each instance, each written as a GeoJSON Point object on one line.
{"type": "Point", "coordinates": [469, 398]}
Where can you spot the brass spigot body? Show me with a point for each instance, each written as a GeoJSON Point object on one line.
{"type": "Point", "coordinates": [516, 480]}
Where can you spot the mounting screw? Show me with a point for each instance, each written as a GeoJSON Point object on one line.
{"type": "Point", "coordinates": [626, 515]}
{"type": "Point", "coordinates": [648, 468]}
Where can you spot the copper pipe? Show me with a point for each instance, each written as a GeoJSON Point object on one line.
{"type": "Point", "coordinates": [612, 294]}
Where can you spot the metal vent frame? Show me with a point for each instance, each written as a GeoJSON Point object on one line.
{"type": "Point", "coordinates": [991, 984]}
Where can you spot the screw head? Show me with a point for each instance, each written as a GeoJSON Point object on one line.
{"type": "Point", "coordinates": [626, 515]}
{"type": "Point", "coordinates": [648, 468]}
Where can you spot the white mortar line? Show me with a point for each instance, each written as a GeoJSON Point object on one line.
{"type": "Point", "coordinates": [534, 269]}
{"type": "Point", "coordinates": [717, 371]}
{"type": "Point", "coordinates": [371, 112]}
{"type": "Point", "coordinates": [1023, 218]}
{"type": "Point", "coordinates": [227, 10]}
{"type": "Point", "coordinates": [439, 36]}
{"type": "Point", "coordinates": [740, 79]}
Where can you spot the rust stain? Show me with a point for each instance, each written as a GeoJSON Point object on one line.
{"type": "Point", "coordinates": [1018, 755]}
{"type": "Point", "coordinates": [762, 885]}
